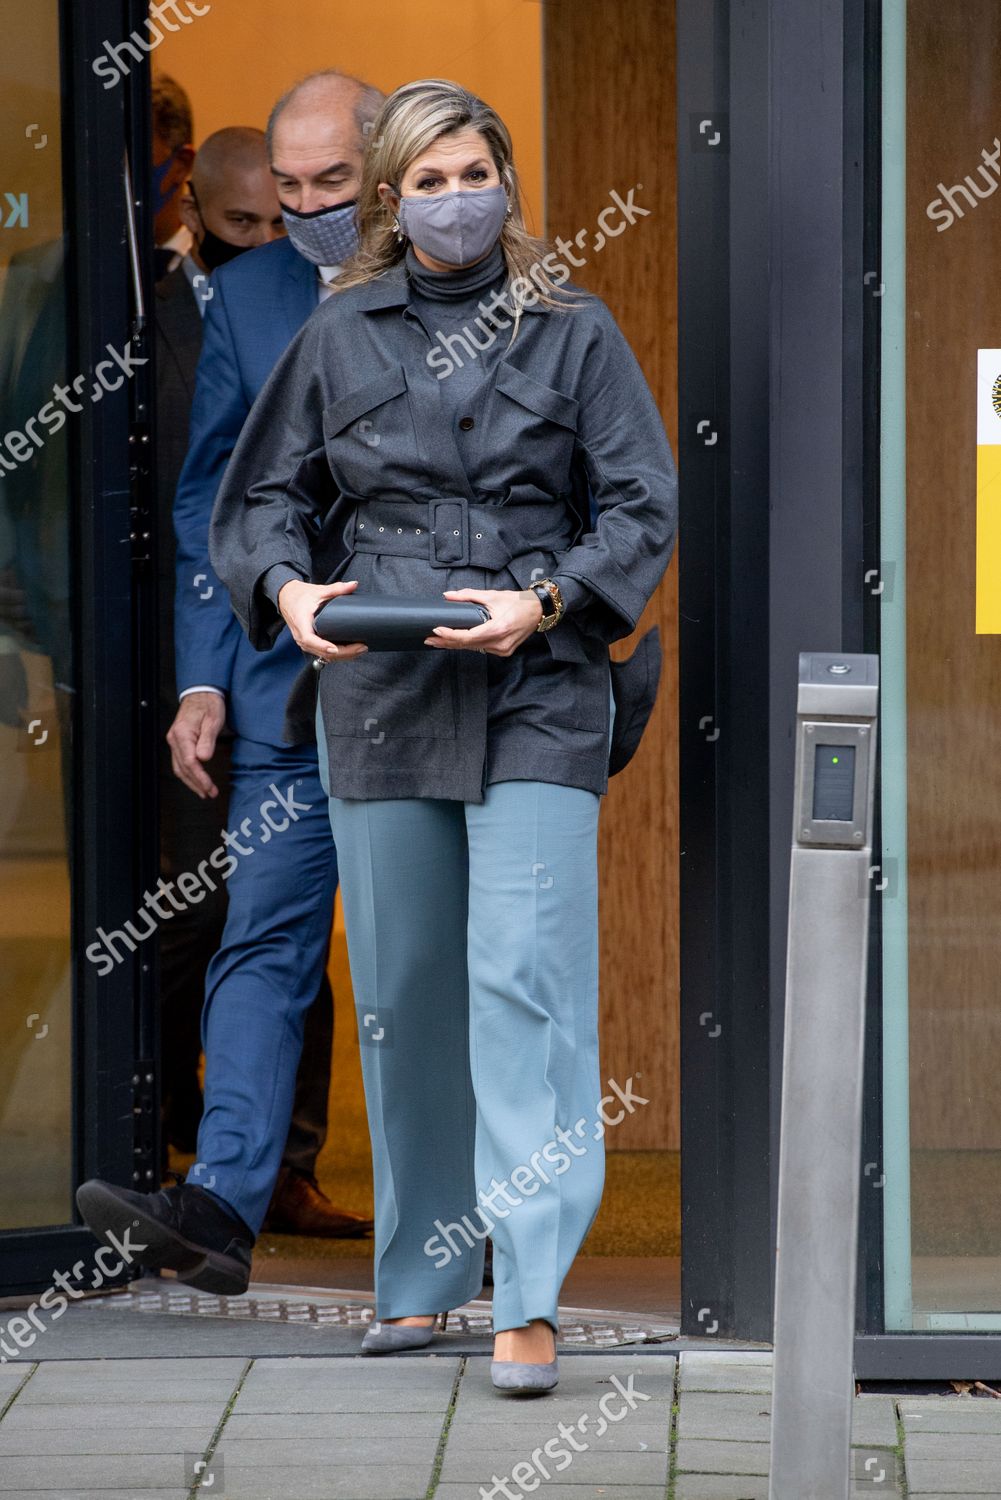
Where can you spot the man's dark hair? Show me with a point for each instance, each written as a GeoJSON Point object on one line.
{"type": "Point", "coordinates": [172, 118]}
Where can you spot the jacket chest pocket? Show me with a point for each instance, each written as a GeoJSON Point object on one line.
{"type": "Point", "coordinates": [388, 695]}
{"type": "Point", "coordinates": [542, 423]}
{"type": "Point", "coordinates": [369, 435]}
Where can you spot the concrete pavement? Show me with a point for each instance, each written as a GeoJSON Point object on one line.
{"type": "Point", "coordinates": [621, 1425]}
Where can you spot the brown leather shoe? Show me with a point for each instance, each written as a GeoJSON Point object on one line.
{"type": "Point", "coordinates": [300, 1206]}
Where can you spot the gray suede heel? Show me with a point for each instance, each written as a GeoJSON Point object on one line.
{"type": "Point", "coordinates": [524, 1379]}
{"type": "Point", "coordinates": [392, 1338]}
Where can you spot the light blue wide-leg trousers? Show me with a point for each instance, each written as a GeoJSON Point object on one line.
{"type": "Point", "coordinates": [472, 935]}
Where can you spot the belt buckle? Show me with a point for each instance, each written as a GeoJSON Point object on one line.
{"type": "Point", "coordinates": [452, 529]}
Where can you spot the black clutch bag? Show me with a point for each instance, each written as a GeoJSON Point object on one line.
{"type": "Point", "coordinates": [387, 623]}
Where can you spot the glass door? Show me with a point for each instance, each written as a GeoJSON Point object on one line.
{"type": "Point", "coordinates": [940, 628]}
{"type": "Point", "coordinates": [37, 670]}
{"type": "Point", "coordinates": [72, 588]}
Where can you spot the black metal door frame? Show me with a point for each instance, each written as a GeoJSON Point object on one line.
{"type": "Point", "coordinates": [114, 859]}
{"type": "Point", "coordinates": [779, 339]}
{"type": "Point", "coordinates": [771, 306]}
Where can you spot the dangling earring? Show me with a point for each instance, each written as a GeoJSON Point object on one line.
{"type": "Point", "coordinates": [397, 229]}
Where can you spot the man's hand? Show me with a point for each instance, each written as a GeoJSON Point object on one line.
{"type": "Point", "coordinates": [192, 740]}
{"type": "Point", "coordinates": [298, 604]}
{"type": "Point", "coordinates": [514, 616]}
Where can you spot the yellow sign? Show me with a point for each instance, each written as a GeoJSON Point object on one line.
{"type": "Point", "coordinates": [988, 492]}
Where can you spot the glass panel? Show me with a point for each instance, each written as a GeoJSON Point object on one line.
{"type": "Point", "coordinates": [941, 661]}
{"type": "Point", "coordinates": [36, 670]}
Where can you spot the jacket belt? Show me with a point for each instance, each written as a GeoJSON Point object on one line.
{"type": "Point", "coordinates": [452, 532]}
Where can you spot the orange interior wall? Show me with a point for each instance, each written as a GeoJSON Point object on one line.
{"type": "Point", "coordinates": [238, 57]}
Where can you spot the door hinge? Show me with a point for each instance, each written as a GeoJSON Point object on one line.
{"type": "Point", "coordinates": [144, 1172]}
{"type": "Point", "coordinates": [140, 515]}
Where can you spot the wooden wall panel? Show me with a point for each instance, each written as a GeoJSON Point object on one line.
{"type": "Point", "coordinates": [610, 124]}
{"type": "Point", "coordinates": [954, 675]}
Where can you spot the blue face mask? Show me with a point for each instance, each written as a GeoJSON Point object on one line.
{"type": "Point", "coordinates": [327, 236]}
{"type": "Point", "coordinates": [455, 228]}
{"type": "Point", "coordinates": [160, 198]}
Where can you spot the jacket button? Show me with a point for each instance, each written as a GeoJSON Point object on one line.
{"type": "Point", "coordinates": [466, 423]}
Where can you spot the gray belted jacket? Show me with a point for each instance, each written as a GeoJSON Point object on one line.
{"type": "Point", "coordinates": [347, 467]}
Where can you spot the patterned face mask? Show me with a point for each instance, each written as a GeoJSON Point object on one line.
{"type": "Point", "coordinates": [327, 237]}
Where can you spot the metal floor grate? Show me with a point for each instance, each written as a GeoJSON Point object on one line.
{"type": "Point", "coordinates": [577, 1326]}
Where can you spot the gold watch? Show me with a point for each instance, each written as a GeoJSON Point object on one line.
{"type": "Point", "coordinates": [549, 596]}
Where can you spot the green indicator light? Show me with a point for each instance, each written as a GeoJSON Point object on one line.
{"type": "Point", "coordinates": [834, 760]}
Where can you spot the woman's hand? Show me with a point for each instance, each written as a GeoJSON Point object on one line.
{"type": "Point", "coordinates": [514, 616]}
{"type": "Point", "coordinates": [298, 604]}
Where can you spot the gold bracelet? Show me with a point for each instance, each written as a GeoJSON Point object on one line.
{"type": "Point", "coordinates": [553, 590]}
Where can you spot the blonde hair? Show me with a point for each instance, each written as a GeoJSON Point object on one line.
{"type": "Point", "coordinates": [412, 117]}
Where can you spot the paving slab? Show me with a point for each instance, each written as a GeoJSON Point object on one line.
{"type": "Point", "coordinates": [108, 1472]}
{"type": "Point", "coordinates": [720, 1487]}
{"type": "Point", "coordinates": [710, 1357]}
{"type": "Point", "coordinates": [373, 1425]}
{"type": "Point", "coordinates": [950, 1447]}
{"type": "Point", "coordinates": [113, 1494]}
{"type": "Point", "coordinates": [352, 1482]}
{"type": "Point", "coordinates": [874, 1421]}
{"type": "Point", "coordinates": [63, 1390]}
{"type": "Point", "coordinates": [696, 1456]}
{"type": "Point", "coordinates": [304, 1403]}
{"type": "Point", "coordinates": [383, 1370]}
{"type": "Point", "coordinates": [42, 1415]}
{"type": "Point", "coordinates": [307, 1451]}
{"type": "Point", "coordinates": [735, 1415]}
{"type": "Point", "coordinates": [950, 1414]}
{"type": "Point", "coordinates": [742, 1416]}
{"type": "Point", "coordinates": [487, 1404]}
{"type": "Point", "coordinates": [957, 1476]}
{"type": "Point", "coordinates": [567, 1492]}
{"type": "Point", "coordinates": [624, 1437]}
{"type": "Point", "coordinates": [396, 1385]}
{"type": "Point", "coordinates": [123, 1439]}
{"type": "Point", "coordinates": [598, 1468]}
{"type": "Point", "coordinates": [700, 1372]}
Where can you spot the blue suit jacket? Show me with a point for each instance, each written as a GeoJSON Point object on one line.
{"type": "Point", "coordinates": [261, 299]}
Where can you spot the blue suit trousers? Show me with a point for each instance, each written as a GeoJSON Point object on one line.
{"type": "Point", "coordinates": [265, 976]}
{"type": "Point", "coordinates": [473, 938]}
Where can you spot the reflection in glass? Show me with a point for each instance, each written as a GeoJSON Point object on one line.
{"type": "Point", "coordinates": [36, 671]}
{"type": "Point", "coordinates": [941, 806]}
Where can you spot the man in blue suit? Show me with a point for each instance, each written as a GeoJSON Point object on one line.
{"type": "Point", "coordinates": [282, 873]}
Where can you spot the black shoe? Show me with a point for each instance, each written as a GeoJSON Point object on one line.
{"type": "Point", "coordinates": [182, 1229]}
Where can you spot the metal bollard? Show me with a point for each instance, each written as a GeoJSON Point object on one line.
{"type": "Point", "coordinates": [822, 1077]}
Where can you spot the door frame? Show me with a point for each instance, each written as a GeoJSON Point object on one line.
{"type": "Point", "coordinates": [114, 855]}
{"type": "Point", "coordinates": [771, 563]}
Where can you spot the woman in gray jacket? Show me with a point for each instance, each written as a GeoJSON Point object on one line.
{"type": "Point", "coordinates": [457, 420]}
